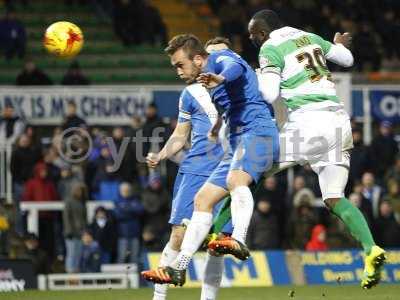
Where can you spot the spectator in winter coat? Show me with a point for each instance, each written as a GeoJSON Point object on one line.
{"type": "Point", "coordinates": [127, 168]}
{"type": "Point", "coordinates": [106, 183]}
{"type": "Point", "coordinates": [300, 224]}
{"type": "Point", "coordinates": [72, 119]}
{"type": "Point", "coordinates": [54, 163]}
{"type": "Point", "coordinates": [371, 191]}
{"type": "Point", "coordinates": [387, 227]}
{"type": "Point", "coordinates": [128, 213]}
{"type": "Point", "coordinates": [42, 188]}
{"type": "Point", "coordinates": [90, 256]}
{"type": "Point", "coordinates": [74, 217]}
{"type": "Point", "coordinates": [155, 200]}
{"type": "Point", "coordinates": [263, 229]}
{"type": "Point", "coordinates": [11, 125]}
{"type": "Point", "coordinates": [66, 183]}
{"type": "Point", "coordinates": [383, 149]}
{"type": "Point", "coordinates": [23, 159]}
{"type": "Point", "coordinates": [31, 75]}
{"type": "Point", "coordinates": [74, 76]}
{"type": "Point", "coordinates": [275, 193]}
{"type": "Point", "coordinates": [154, 128]}
{"type": "Point", "coordinates": [104, 232]}
{"type": "Point", "coordinates": [359, 158]}
{"type": "Point", "coordinates": [318, 239]}
{"type": "Point", "coordinates": [12, 36]}
{"type": "Point", "coordinates": [36, 255]}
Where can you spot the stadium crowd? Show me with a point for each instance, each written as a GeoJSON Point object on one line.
{"type": "Point", "coordinates": [135, 22]}
{"type": "Point", "coordinates": [372, 23]}
{"type": "Point", "coordinates": [288, 215]}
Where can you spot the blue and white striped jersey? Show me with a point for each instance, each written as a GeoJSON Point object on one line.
{"type": "Point", "coordinates": [195, 106]}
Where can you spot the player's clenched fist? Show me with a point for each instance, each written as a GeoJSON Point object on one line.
{"type": "Point", "coordinates": [152, 159]}
{"type": "Point", "coordinates": [344, 39]}
{"type": "Point", "coordinates": [214, 132]}
{"type": "Point", "coordinates": [210, 80]}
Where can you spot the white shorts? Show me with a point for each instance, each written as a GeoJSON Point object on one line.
{"type": "Point", "coordinates": [318, 137]}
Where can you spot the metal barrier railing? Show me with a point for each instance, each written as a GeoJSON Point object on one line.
{"type": "Point", "coordinates": [33, 209]}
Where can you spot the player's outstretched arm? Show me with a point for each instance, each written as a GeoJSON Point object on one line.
{"type": "Point", "coordinates": [175, 143]}
{"type": "Point", "coordinates": [338, 53]}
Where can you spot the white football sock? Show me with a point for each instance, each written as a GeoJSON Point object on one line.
{"type": "Point", "coordinates": [195, 234]}
{"type": "Point", "coordinates": [212, 277]}
{"type": "Point", "coordinates": [168, 256]}
{"type": "Point", "coordinates": [242, 209]}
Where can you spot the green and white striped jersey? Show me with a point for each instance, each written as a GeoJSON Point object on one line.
{"type": "Point", "coordinates": [299, 58]}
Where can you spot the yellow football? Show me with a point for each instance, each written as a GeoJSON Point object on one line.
{"type": "Point", "coordinates": [63, 39]}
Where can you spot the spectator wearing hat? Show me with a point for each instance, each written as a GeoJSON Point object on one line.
{"type": "Point", "coordinates": [104, 232]}
{"type": "Point", "coordinates": [74, 76]}
{"type": "Point", "coordinates": [36, 255]}
{"type": "Point", "coordinates": [128, 213]}
{"type": "Point", "coordinates": [383, 150]}
{"type": "Point", "coordinates": [318, 239]}
{"type": "Point", "coordinates": [42, 188]}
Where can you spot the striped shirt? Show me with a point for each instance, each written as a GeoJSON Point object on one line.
{"type": "Point", "coordinates": [299, 58]}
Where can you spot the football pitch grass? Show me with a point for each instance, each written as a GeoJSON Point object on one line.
{"type": "Point", "coordinates": [317, 292]}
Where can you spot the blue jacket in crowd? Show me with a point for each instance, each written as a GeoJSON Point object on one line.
{"type": "Point", "coordinates": [90, 258]}
{"type": "Point", "coordinates": [129, 212]}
